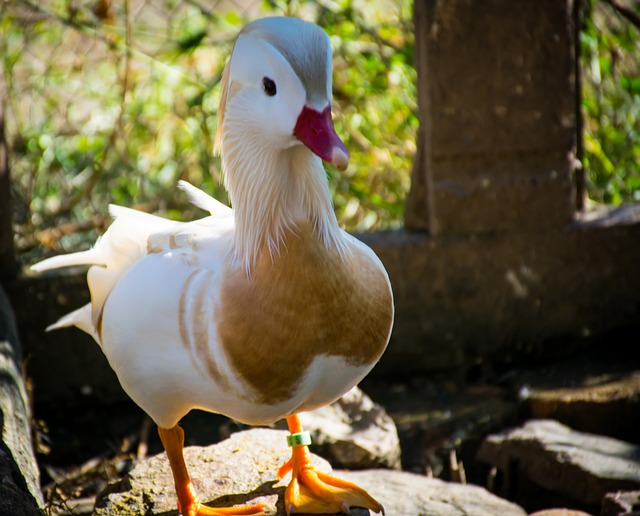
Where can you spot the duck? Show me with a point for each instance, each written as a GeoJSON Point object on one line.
{"type": "Point", "coordinates": [260, 311]}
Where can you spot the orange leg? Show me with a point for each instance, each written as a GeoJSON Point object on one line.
{"type": "Point", "coordinates": [313, 492]}
{"type": "Point", "coordinates": [188, 503]}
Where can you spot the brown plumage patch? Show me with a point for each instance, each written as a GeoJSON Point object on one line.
{"type": "Point", "coordinates": [183, 322]}
{"type": "Point", "coordinates": [303, 303]}
{"type": "Point", "coordinates": [194, 322]}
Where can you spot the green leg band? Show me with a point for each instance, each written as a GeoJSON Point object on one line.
{"type": "Point", "coordinates": [299, 439]}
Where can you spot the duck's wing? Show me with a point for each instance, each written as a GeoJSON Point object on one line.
{"type": "Point", "coordinates": [132, 236]}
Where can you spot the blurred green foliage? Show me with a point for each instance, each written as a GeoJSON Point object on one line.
{"type": "Point", "coordinates": [611, 102]}
{"type": "Point", "coordinates": [113, 102]}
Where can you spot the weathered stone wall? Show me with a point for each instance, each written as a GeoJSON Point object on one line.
{"type": "Point", "coordinates": [508, 298]}
{"type": "Point", "coordinates": [494, 264]}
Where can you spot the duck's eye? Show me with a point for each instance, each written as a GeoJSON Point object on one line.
{"type": "Point", "coordinates": [269, 86]}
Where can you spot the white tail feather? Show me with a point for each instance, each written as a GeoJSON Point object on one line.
{"type": "Point", "coordinates": [81, 318]}
{"type": "Point", "coordinates": [90, 257]}
{"type": "Point", "coordinates": [122, 245]}
{"type": "Point", "coordinates": [203, 200]}
{"type": "Point", "coordinates": [123, 212]}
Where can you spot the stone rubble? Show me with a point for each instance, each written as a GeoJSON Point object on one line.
{"type": "Point", "coordinates": [242, 470]}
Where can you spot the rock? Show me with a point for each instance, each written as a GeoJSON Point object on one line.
{"type": "Point", "coordinates": [19, 479]}
{"type": "Point", "coordinates": [546, 462]}
{"type": "Point", "coordinates": [242, 469]}
{"type": "Point", "coordinates": [606, 404]}
{"type": "Point", "coordinates": [437, 414]}
{"type": "Point", "coordinates": [354, 433]}
{"type": "Point", "coordinates": [404, 493]}
{"type": "Point", "coordinates": [621, 503]}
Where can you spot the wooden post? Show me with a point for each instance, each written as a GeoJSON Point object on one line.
{"type": "Point", "coordinates": [8, 263]}
{"type": "Point", "coordinates": [19, 477]}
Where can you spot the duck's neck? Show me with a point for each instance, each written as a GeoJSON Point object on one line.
{"type": "Point", "coordinates": [273, 193]}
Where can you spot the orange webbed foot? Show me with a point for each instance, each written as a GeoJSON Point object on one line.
{"type": "Point", "coordinates": [313, 492]}
{"type": "Point", "coordinates": [188, 503]}
{"type": "Point", "coordinates": [197, 509]}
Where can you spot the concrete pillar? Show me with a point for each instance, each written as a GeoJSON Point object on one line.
{"type": "Point", "coordinates": [497, 106]}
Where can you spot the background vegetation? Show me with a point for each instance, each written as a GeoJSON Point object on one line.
{"type": "Point", "coordinates": [610, 44]}
{"type": "Point", "coordinates": [114, 101]}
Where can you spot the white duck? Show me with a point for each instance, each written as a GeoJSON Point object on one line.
{"type": "Point", "coordinates": [257, 313]}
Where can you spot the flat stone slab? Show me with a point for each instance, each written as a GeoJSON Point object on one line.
{"type": "Point", "coordinates": [404, 493]}
{"type": "Point", "coordinates": [242, 470]}
{"type": "Point", "coordinates": [579, 466]}
{"type": "Point", "coordinates": [605, 404]}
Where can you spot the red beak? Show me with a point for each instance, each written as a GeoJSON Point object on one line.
{"type": "Point", "coordinates": [316, 131]}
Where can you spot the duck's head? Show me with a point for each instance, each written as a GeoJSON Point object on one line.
{"type": "Point", "coordinates": [276, 90]}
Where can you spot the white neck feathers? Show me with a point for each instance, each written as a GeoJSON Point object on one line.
{"type": "Point", "coordinates": [272, 191]}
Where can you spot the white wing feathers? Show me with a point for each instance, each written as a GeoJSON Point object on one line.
{"type": "Point", "coordinates": [129, 238]}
